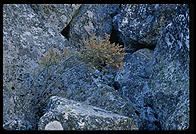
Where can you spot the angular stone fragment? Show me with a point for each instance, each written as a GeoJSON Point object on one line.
{"type": "Point", "coordinates": [78, 116]}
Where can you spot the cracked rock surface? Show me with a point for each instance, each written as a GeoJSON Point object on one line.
{"type": "Point", "coordinates": [71, 115]}
{"type": "Point", "coordinates": [151, 92]}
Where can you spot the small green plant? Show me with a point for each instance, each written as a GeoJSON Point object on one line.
{"type": "Point", "coordinates": [101, 53]}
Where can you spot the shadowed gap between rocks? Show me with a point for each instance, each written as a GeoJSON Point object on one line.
{"type": "Point", "coordinates": [65, 31]}
{"type": "Point", "coordinates": [114, 38]}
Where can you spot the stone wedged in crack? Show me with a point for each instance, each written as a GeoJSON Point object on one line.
{"type": "Point", "coordinates": [63, 114]}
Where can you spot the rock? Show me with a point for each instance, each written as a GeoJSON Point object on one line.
{"type": "Point", "coordinates": [109, 99]}
{"type": "Point", "coordinates": [57, 16]}
{"type": "Point", "coordinates": [25, 38]}
{"type": "Point", "coordinates": [151, 90]}
{"type": "Point", "coordinates": [11, 119]}
{"type": "Point", "coordinates": [135, 73]}
{"type": "Point", "coordinates": [93, 18]}
{"type": "Point", "coordinates": [83, 87]}
{"type": "Point", "coordinates": [54, 125]}
{"type": "Point", "coordinates": [139, 25]}
{"type": "Point", "coordinates": [76, 82]}
{"type": "Point", "coordinates": [170, 77]}
{"type": "Point", "coordinates": [66, 114]}
{"type": "Point", "coordinates": [133, 80]}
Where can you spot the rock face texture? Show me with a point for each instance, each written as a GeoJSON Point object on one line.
{"type": "Point", "coordinates": [170, 78]}
{"type": "Point", "coordinates": [25, 38]}
{"type": "Point", "coordinates": [92, 18]}
{"type": "Point", "coordinates": [133, 81]}
{"type": "Point", "coordinates": [151, 92]}
{"type": "Point", "coordinates": [139, 25]}
{"type": "Point", "coordinates": [70, 115]}
{"type": "Point", "coordinates": [165, 88]}
{"type": "Point", "coordinates": [57, 16]}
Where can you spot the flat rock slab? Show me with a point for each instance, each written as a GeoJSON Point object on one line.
{"type": "Point", "coordinates": [66, 114]}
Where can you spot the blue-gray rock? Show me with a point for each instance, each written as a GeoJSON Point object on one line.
{"type": "Point", "coordinates": [25, 38]}
{"type": "Point", "coordinates": [64, 114]}
{"type": "Point", "coordinates": [135, 73]}
{"type": "Point", "coordinates": [133, 81]}
{"type": "Point", "coordinates": [170, 78]}
{"type": "Point", "coordinates": [140, 25]}
{"type": "Point", "coordinates": [12, 118]}
{"type": "Point", "coordinates": [92, 18]}
{"type": "Point", "coordinates": [57, 16]}
{"type": "Point", "coordinates": [75, 81]}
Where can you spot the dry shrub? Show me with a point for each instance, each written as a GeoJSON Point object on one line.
{"type": "Point", "coordinates": [101, 53]}
{"type": "Point", "coordinates": [95, 51]}
{"type": "Point", "coordinates": [51, 57]}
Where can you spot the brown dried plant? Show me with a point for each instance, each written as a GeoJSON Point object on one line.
{"type": "Point", "coordinates": [100, 52]}
{"type": "Point", "coordinates": [51, 57]}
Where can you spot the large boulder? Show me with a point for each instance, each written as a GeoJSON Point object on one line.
{"type": "Point", "coordinates": [77, 83]}
{"type": "Point", "coordinates": [25, 38]}
{"type": "Point", "coordinates": [57, 16]}
{"type": "Point", "coordinates": [63, 114]}
{"type": "Point", "coordinates": [139, 25]}
{"type": "Point", "coordinates": [136, 72]}
{"type": "Point", "coordinates": [92, 18]}
{"type": "Point", "coordinates": [133, 84]}
{"type": "Point", "coordinates": [170, 78]}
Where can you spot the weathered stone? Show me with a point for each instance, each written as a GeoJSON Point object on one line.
{"type": "Point", "coordinates": [76, 82]}
{"type": "Point", "coordinates": [135, 73]}
{"type": "Point", "coordinates": [71, 115]}
{"type": "Point", "coordinates": [11, 118]}
{"type": "Point", "coordinates": [170, 78]}
{"type": "Point", "coordinates": [57, 16]}
{"type": "Point", "coordinates": [54, 125]}
{"type": "Point", "coordinates": [152, 89]}
{"type": "Point", "coordinates": [133, 80]}
{"type": "Point", "coordinates": [140, 25]}
{"type": "Point", "coordinates": [92, 18]}
{"type": "Point", "coordinates": [25, 38]}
